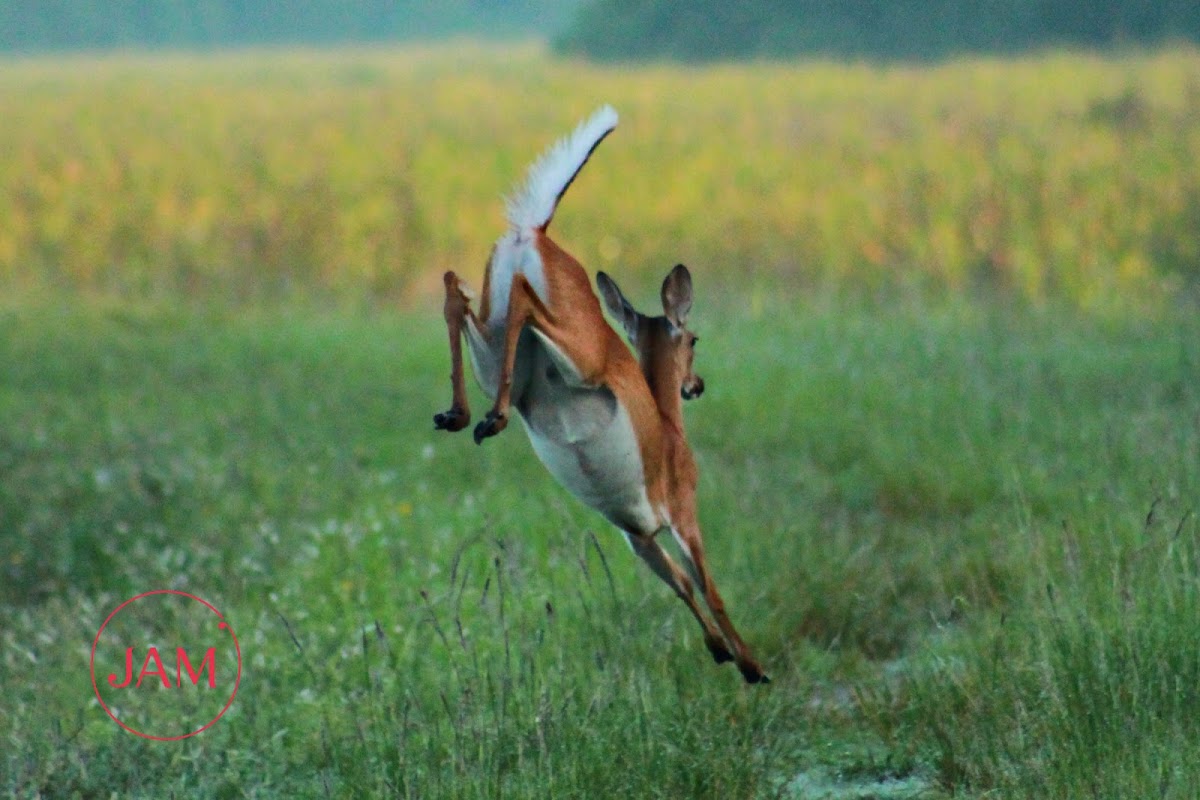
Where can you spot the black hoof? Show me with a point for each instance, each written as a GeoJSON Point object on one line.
{"type": "Point", "coordinates": [492, 424]}
{"type": "Point", "coordinates": [753, 673]}
{"type": "Point", "coordinates": [720, 653]}
{"type": "Point", "coordinates": [453, 420]}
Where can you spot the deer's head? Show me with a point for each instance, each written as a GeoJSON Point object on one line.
{"type": "Point", "coordinates": [664, 345]}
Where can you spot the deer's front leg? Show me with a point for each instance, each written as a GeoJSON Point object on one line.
{"type": "Point", "coordinates": [456, 310]}
{"type": "Point", "coordinates": [666, 569]}
{"type": "Point", "coordinates": [692, 547]}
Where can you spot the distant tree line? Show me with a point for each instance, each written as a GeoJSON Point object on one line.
{"type": "Point", "coordinates": [714, 29]}
{"type": "Point", "coordinates": [37, 25]}
{"type": "Point", "coordinates": [611, 29]}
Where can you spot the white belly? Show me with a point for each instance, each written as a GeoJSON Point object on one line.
{"type": "Point", "coordinates": [587, 441]}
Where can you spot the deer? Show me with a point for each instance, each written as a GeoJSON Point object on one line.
{"type": "Point", "coordinates": [540, 344]}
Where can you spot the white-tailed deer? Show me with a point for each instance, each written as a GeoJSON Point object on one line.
{"type": "Point", "coordinates": [540, 343]}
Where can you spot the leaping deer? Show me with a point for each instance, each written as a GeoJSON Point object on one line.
{"type": "Point", "coordinates": [540, 343]}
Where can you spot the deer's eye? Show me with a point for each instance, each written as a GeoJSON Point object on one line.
{"type": "Point", "coordinates": [695, 341]}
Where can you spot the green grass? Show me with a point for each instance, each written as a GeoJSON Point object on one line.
{"type": "Point", "coordinates": [959, 537]}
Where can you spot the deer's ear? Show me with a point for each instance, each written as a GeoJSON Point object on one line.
{"type": "Point", "coordinates": [616, 304]}
{"type": "Point", "coordinates": [677, 295]}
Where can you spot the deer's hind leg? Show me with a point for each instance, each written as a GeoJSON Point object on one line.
{"type": "Point", "coordinates": [570, 346]}
{"type": "Point", "coordinates": [457, 311]}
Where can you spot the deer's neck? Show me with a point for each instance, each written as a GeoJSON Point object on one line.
{"type": "Point", "coordinates": [666, 392]}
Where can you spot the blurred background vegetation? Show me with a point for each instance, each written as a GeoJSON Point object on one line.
{"type": "Point", "coordinates": [357, 176]}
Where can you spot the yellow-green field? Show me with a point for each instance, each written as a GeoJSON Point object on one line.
{"type": "Point", "coordinates": [365, 174]}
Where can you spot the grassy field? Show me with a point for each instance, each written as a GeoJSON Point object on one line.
{"type": "Point", "coordinates": [949, 447]}
{"type": "Point", "coordinates": [962, 540]}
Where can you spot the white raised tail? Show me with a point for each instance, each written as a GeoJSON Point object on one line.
{"type": "Point", "coordinates": [531, 206]}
